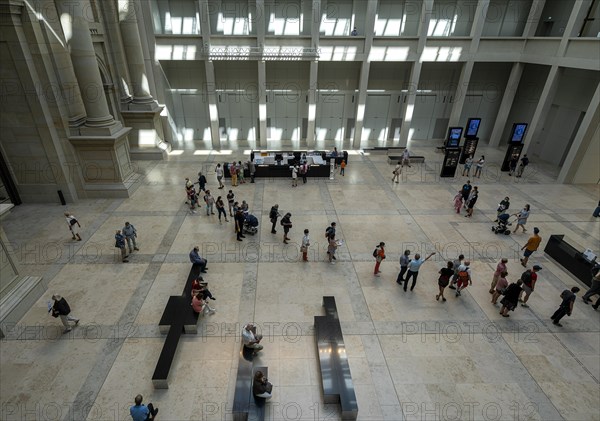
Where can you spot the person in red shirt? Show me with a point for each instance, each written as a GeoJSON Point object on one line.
{"type": "Point", "coordinates": [529, 278]}
{"type": "Point", "coordinates": [379, 257]}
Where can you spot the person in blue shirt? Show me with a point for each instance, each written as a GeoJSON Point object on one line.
{"type": "Point", "coordinates": [141, 412]}
{"type": "Point", "coordinates": [197, 260]}
{"type": "Point", "coordinates": [413, 270]}
{"type": "Point", "coordinates": [120, 244]}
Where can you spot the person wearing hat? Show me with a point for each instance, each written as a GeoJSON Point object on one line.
{"type": "Point", "coordinates": [529, 278]}
{"type": "Point", "coordinates": [61, 309]}
{"type": "Point", "coordinates": [130, 234]}
{"type": "Point", "coordinates": [531, 246]}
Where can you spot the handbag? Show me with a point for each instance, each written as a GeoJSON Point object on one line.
{"type": "Point", "coordinates": [269, 387]}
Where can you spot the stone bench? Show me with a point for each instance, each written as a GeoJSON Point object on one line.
{"type": "Point", "coordinates": [336, 379]}
{"type": "Point", "coordinates": [260, 402]}
{"type": "Point", "coordinates": [243, 385]}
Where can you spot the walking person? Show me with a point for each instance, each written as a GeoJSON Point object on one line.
{"type": "Point", "coordinates": [60, 308]}
{"type": "Point", "coordinates": [192, 199]}
{"type": "Point", "coordinates": [522, 165]}
{"type": "Point", "coordinates": [221, 209]}
{"type": "Point", "coordinates": [566, 306]}
{"type": "Point", "coordinates": [294, 175]}
{"type": "Point", "coordinates": [74, 226]}
{"type": "Point", "coordinates": [397, 171]}
{"type": "Point", "coordinates": [331, 247]}
{"type": "Point", "coordinates": [233, 173]}
{"type": "Point", "coordinates": [230, 201]}
{"type": "Point", "coordinates": [330, 230]}
{"type": "Point", "coordinates": [444, 280]}
{"type": "Point", "coordinates": [379, 255]}
{"type": "Point", "coordinates": [467, 166]}
{"type": "Point", "coordinates": [141, 412]}
{"type": "Point", "coordinates": [413, 270]}
{"type": "Point", "coordinates": [343, 167]}
{"type": "Point", "coordinates": [511, 298]}
{"type": "Point", "coordinates": [130, 234]}
{"type": "Point", "coordinates": [466, 191]}
{"type": "Point", "coordinates": [406, 158]}
{"type": "Point", "coordinates": [404, 261]}
{"type": "Point", "coordinates": [596, 212]}
{"type": "Point", "coordinates": [464, 277]}
{"type": "Point", "coordinates": [273, 215]}
{"type": "Point", "coordinates": [201, 182]}
{"type": "Point", "coordinates": [210, 201]}
{"type": "Point", "coordinates": [286, 223]}
{"type": "Point", "coordinates": [239, 219]}
{"type": "Point", "coordinates": [456, 265]}
{"type": "Point", "coordinates": [531, 246]}
{"type": "Point", "coordinates": [304, 171]}
{"type": "Point", "coordinates": [529, 278]}
{"type": "Point", "coordinates": [219, 172]}
{"type": "Point", "coordinates": [458, 201]}
{"type": "Point", "coordinates": [522, 218]}
{"type": "Point", "coordinates": [120, 244]}
{"type": "Point", "coordinates": [500, 267]}
{"type": "Point", "coordinates": [479, 166]}
{"type": "Point", "coordinates": [500, 287]}
{"type": "Point", "coordinates": [595, 288]}
{"type": "Point", "coordinates": [305, 245]}
{"type": "Point", "coordinates": [472, 200]}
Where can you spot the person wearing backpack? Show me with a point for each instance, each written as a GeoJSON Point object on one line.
{"type": "Point", "coordinates": [529, 278]}
{"type": "Point", "coordinates": [566, 306]}
{"type": "Point", "coordinates": [457, 264]}
{"type": "Point", "coordinates": [330, 230]}
{"type": "Point", "coordinates": [511, 298]}
{"type": "Point", "coordinates": [413, 269]}
{"type": "Point", "coordinates": [286, 223]}
{"type": "Point", "coordinates": [379, 255]}
{"type": "Point", "coordinates": [464, 277]}
{"type": "Point", "coordinates": [61, 309]}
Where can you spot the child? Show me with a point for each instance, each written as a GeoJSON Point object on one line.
{"type": "Point", "coordinates": [342, 167]}
{"type": "Point", "coordinates": [458, 201]}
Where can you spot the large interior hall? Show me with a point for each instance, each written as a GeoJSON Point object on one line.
{"type": "Point", "coordinates": [370, 114]}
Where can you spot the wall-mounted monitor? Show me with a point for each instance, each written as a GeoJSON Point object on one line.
{"type": "Point", "coordinates": [454, 135]}
{"type": "Point", "coordinates": [472, 127]}
{"type": "Point", "coordinates": [517, 133]}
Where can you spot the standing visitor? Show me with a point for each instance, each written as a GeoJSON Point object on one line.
{"type": "Point", "coordinates": [500, 267]}
{"type": "Point", "coordinates": [286, 223]}
{"type": "Point", "coordinates": [404, 261]}
{"type": "Point", "coordinates": [524, 163]}
{"type": "Point", "coordinates": [444, 280]}
{"type": "Point", "coordinates": [230, 201]}
{"type": "Point", "coordinates": [466, 191]}
{"type": "Point", "coordinates": [511, 298]}
{"type": "Point", "coordinates": [413, 270]}
{"type": "Point", "coordinates": [294, 169]}
{"type": "Point", "coordinates": [531, 246]}
{"type": "Point", "coordinates": [273, 215]}
{"type": "Point", "coordinates": [74, 226]}
{"type": "Point", "coordinates": [342, 167]}
{"type": "Point", "coordinates": [201, 181]}
{"type": "Point", "coordinates": [379, 255]}
{"type": "Point", "coordinates": [219, 172]}
{"type": "Point", "coordinates": [472, 200]}
{"type": "Point", "coordinates": [500, 287]}
{"type": "Point", "coordinates": [467, 166]}
{"type": "Point", "coordinates": [529, 278]}
{"type": "Point", "coordinates": [239, 219]}
{"type": "Point", "coordinates": [305, 245]}
{"type": "Point", "coordinates": [120, 244]}
{"type": "Point", "coordinates": [221, 209]}
{"type": "Point", "coordinates": [479, 167]}
{"type": "Point", "coordinates": [397, 171]}
{"type": "Point", "coordinates": [331, 247]}
{"type": "Point", "coordinates": [233, 173]}
{"type": "Point", "coordinates": [130, 234]}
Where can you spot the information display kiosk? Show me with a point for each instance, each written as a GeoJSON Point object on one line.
{"type": "Point", "coordinates": [515, 144]}
{"type": "Point", "coordinates": [450, 162]}
{"type": "Point", "coordinates": [471, 139]}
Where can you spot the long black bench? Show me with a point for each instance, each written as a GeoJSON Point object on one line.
{"type": "Point", "coordinates": [177, 318]}
{"type": "Point", "coordinates": [336, 379]}
{"type": "Point", "coordinates": [243, 396]}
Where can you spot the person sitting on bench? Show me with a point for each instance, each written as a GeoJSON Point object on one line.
{"type": "Point", "coordinates": [261, 388]}
{"type": "Point", "coordinates": [199, 305]}
{"type": "Point", "coordinates": [250, 338]}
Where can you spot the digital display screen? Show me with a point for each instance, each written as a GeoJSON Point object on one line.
{"type": "Point", "coordinates": [518, 132]}
{"type": "Point", "coordinates": [454, 134]}
{"type": "Point", "coordinates": [472, 127]}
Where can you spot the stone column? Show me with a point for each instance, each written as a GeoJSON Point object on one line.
{"type": "Point", "coordinates": [102, 146]}
{"type": "Point", "coordinates": [533, 19]}
{"type": "Point", "coordinates": [312, 104]}
{"type": "Point", "coordinates": [143, 112]}
{"type": "Point", "coordinates": [262, 104]}
{"type": "Point", "coordinates": [415, 73]}
{"type": "Point", "coordinates": [507, 100]}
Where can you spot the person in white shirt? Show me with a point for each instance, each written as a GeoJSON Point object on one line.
{"type": "Point", "coordinates": [406, 158]}
{"type": "Point", "coordinates": [250, 338]}
{"type": "Point", "coordinates": [464, 277]}
{"type": "Point", "coordinates": [294, 176]}
{"type": "Point", "coordinates": [304, 246]}
{"type": "Point", "coordinates": [219, 172]}
{"type": "Point", "coordinates": [397, 171]}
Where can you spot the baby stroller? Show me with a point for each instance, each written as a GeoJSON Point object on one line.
{"type": "Point", "coordinates": [503, 224]}
{"type": "Point", "coordinates": [250, 224]}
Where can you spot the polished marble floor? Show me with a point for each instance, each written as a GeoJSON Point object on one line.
{"type": "Point", "coordinates": [411, 357]}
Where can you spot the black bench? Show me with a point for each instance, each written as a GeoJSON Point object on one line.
{"type": "Point", "coordinates": [260, 402]}
{"type": "Point", "coordinates": [336, 379]}
{"type": "Point", "coordinates": [177, 318]}
{"type": "Point", "coordinates": [243, 385]}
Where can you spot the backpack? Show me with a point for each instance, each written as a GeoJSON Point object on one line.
{"type": "Point", "coordinates": [526, 278]}
{"type": "Point", "coordinates": [72, 221]}
{"type": "Point", "coordinates": [273, 213]}
{"type": "Point", "coordinates": [327, 231]}
{"type": "Point", "coordinates": [375, 251]}
{"type": "Point", "coordinates": [463, 276]}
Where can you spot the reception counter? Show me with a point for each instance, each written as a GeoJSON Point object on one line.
{"type": "Point", "coordinates": [569, 258]}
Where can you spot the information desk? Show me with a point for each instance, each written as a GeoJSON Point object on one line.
{"type": "Point", "coordinates": [569, 258]}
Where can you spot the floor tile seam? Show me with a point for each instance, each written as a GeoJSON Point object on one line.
{"type": "Point", "coordinates": [382, 182]}
{"type": "Point", "coordinates": [92, 386]}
